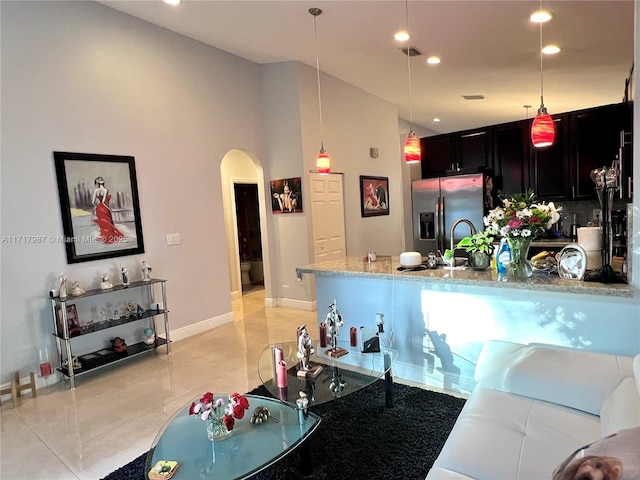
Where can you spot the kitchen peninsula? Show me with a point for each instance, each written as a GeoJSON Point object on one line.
{"type": "Point", "coordinates": [386, 266]}
{"type": "Point", "coordinates": [450, 313]}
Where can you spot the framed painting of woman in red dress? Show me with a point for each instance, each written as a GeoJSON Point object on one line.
{"type": "Point", "coordinates": [99, 206]}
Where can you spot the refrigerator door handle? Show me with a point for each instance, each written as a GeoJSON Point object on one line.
{"type": "Point", "coordinates": [441, 237]}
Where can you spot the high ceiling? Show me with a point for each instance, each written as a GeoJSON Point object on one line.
{"type": "Point", "coordinates": [488, 48]}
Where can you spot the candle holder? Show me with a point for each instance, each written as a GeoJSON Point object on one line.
{"type": "Point", "coordinates": [606, 186]}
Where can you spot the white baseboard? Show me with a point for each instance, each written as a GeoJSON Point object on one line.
{"type": "Point", "coordinates": [200, 327]}
{"type": "Point", "coordinates": [309, 306]}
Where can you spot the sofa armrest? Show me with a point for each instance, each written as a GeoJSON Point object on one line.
{"type": "Point", "coordinates": [570, 377]}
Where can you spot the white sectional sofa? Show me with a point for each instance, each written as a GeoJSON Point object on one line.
{"type": "Point", "coordinates": [534, 406]}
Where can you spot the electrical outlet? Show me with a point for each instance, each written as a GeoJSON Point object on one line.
{"type": "Point", "coordinates": [595, 214]}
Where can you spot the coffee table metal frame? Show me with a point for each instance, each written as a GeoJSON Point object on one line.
{"type": "Point", "coordinates": [249, 449]}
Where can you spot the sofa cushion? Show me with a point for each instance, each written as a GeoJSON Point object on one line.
{"type": "Point", "coordinates": [505, 436]}
{"type": "Point", "coordinates": [554, 374]}
{"type": "Point", "coordinates": [621, 409]}
{"type": "Point", "coordinates": [614, 457]}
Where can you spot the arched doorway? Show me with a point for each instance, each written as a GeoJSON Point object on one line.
{"type": "Point", "coordinates": [242, 183]}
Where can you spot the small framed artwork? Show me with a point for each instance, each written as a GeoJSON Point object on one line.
{"type": "Point", "coordinates": [286, 195]}
{"type": "Point", "coordinates": [99, 205]}
{"type": "Point", "coordinates": [374, 196]}
{"type": "Point", "coordinates": [73, 322]}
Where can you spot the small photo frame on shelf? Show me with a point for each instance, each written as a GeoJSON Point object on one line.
{"type": "Point", "coordinates": [374, 196]}
{"type": "Point", "coordinates": [99, 206]}
{"type": "Point", "coordinates": [73, 322]}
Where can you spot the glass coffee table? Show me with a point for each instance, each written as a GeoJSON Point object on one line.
{"type": "Point", "coordinates": [338, 376]}
{"type": "Point", "coordinates": [249, 449]}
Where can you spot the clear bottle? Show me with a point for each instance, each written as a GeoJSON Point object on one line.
{"type": "Point", "coordinates": [503, 258]}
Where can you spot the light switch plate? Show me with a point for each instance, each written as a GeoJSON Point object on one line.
{"type": "Point", "coordinates": [173, 239]}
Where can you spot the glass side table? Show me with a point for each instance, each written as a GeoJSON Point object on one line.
{"type": "Point", "coordinates": [338, 376]}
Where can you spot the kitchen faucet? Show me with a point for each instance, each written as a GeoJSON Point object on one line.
{"type": "Point", "coordinates": [453, 228]}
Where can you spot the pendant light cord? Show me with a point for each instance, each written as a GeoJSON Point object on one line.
{"type": "Point", "coordinates": [541, 75]}
{"type": "Point", "coordinates": [315, 25]}
{"type": "Point", "coordinates": [406, 19]}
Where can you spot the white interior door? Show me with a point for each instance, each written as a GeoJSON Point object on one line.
{"type": "Point", "coordinates": [327, 213]}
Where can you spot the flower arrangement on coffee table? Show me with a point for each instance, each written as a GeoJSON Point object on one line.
{"type": "Point", "coordinates": [220, 414]}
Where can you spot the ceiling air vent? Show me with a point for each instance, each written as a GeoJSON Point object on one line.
{"type": "Point", "coordinates": [473, 97]}
{"type": "Point", "coordinates": [413, 52]}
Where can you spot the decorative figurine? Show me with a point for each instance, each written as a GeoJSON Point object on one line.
{"type": "Point", "coordinates": [125, 275]}
{"type": "Point", "coordinates": [119, 345]}
{"type": "Point", "coordinates": [305, 350]}
{"type": "Point", "coordinates": [140, 311]}
{"type": "Point", "coordinates": [334, 322]}
{"type": "Point", "coordinates": [149, 336]}
{"type": "Point", "coordinates": [105, 284]}
{"type": "Point", "coordinates": [76, 289]}
{"type": "Point", "coordinates": [63, 286]}
{"type": "Point", "coordinates": [146, 270]}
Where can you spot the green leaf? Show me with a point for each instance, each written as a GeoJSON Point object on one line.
{"type": "Point", "coordinates": [448, 254]}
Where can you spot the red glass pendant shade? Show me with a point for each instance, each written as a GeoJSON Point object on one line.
{"type": "Point", "coordinates": [412, 153]}
{"type": "Point", "coordinates": [323, 163]}
{"type": "Point", "coordinates": [542, 129]}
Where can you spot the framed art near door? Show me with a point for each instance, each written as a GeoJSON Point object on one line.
{"type": "Point", "coordinates": [374, 196]}
{"type": "Point", "coordinates": [99, 205]}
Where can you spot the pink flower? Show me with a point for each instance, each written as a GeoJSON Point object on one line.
{"type": "Point", "coordinates": [515, 223]}
{"type": "Point", "coordinates": [194, 409]}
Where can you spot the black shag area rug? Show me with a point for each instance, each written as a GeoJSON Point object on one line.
{"type": "Point", "coordinates": [360, 438]}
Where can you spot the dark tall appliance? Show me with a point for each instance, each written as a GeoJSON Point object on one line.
{"type": "Point", "coordinates": [438, 202]}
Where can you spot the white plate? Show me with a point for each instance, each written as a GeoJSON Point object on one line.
{"type": "Point", "coordinates": [572, 263]}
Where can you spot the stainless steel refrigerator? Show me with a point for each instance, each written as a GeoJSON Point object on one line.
{"type": "Point", "coordinates": [438, 203]}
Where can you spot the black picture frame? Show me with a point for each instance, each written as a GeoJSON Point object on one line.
{"type": "Point", "coordinates": [99, 205]}
{"type": "Point", "coordinates": [374, 196]}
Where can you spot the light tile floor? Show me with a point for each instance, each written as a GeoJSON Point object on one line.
{"type": "Point", "coordinates": [113, 416]}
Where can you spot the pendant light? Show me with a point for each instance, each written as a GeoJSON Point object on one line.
{"type": "Point", "coordinates": [323, 161]}
{"type": "Point", "coordinates": [542, 127]}
{"type": "Point", "coordinates": [412, 152]}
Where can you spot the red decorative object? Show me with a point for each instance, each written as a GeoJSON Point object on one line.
{"type": "Point", "coordinates": [323, 163]}
{"type": "Point", "coordinates": [323, 334]}
{"type": "Point", "coordinates": [353, 336]}
{"type": "Point", "coordinates": [412, 153]}
{"type": "Point", "coordinates": [542, 129]}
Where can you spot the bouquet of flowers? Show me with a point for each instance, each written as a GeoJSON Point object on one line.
{"type": "Point", "coordinates": [521, 216]}
{"type": "Point", "coordinates": [220, 411]}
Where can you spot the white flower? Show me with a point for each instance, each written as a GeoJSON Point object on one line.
{"type": "Point", "coordinates": [526, 232]}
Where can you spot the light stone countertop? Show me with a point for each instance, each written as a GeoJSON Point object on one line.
{"type": "Point", "coordinates": [386, 267]}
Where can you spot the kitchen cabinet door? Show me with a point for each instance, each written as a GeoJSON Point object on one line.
{"type": "Point", "coordinates": [473, 150]}
{"type": "Point", "coordinates": [595, 142]}
{"type": "Point", "coordinates": [511, 157]}
{"type": "Point", "coordinates": [438, 155]}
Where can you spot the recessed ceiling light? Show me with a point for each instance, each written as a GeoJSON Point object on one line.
{"type": "Point", "coordinates": [433, 60]}
{"type": "Point", "coordinates": [551, 49]}
{"type": "Point", "coordinates": [402, 36]}
{"type": "Point", "coordinates": [473, 97]}
{"type": "Point", "coordinates": [436, 120]}
{"type": "Point", "coordinates": [172, 2]}
{"type": "Point", "coordinates": [541, 16]}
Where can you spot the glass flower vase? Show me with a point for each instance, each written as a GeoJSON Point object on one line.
{"type": "Point", "coordinates": [216, 431]}
{"type": "Point", "coordinates": [520, 266]}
